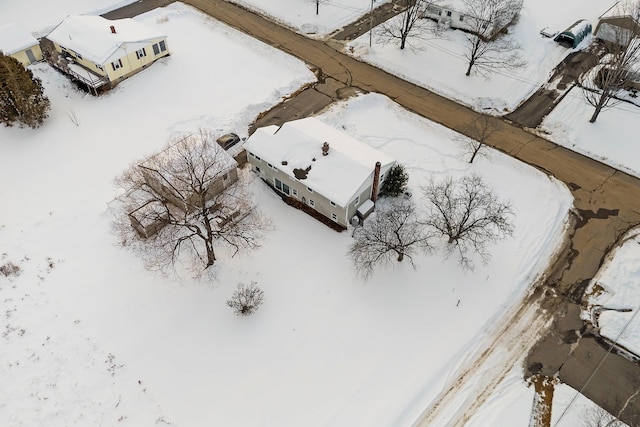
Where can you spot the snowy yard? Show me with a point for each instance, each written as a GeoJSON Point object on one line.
{"type": "Point", "coordinates": [615, 295]}
{"type": "Point", "coordinates": [95, 339]}
{"type": "Point", "coordinates": [439, 64]}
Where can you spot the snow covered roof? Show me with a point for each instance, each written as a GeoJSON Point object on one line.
{"type": "Point", "coordinates": [91, 37]}
{"type": "Point", "coordinates": [338, 175]}
{"type": "Point", "coordinates": [14, 38]}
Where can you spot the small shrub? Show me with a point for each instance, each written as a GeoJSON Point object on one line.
{"type": "Point", "coordinates": [9, 269]}
{"type": "Point", "coordinates": [246, 299]}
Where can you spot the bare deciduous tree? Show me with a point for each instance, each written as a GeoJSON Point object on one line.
{"type": "Point", "coordinates": [485, 50]}
{"type": "Point", "coordinates": [392, 232]}
{"type": "Point", "coordinates": [468, 214]}
{"type": "Point", "coordinates": [479, 132]}
{"type": "Point", "coordinates": [620, 65]}
{"type": "Point", "coordinates": [180, 203]}
{"type": "Point", "coordinates": [246, 299]}
{"type": "Point", "coordinates": [409, 23]}
{"type": "Point", "coordinates": [598, 417]}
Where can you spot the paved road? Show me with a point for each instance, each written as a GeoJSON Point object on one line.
{"type": "Point", "coordinates": [607, 201]}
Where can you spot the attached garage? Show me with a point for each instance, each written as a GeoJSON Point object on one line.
{"type": "Point", "coordinates": [573, 36]}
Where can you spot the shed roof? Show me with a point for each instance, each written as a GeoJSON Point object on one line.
{"type": "Point", "coordinates": [575, 33]}
{"type": "Point", "coordinates": [14, 38]}
{"type": "Point", "coordinates": [338, 176]}
{"type": "Point", "coordinates": [91, 36]}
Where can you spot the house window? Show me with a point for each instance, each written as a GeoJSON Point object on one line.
{"type": "Point", "coordinates": [312, 203]}
{"type": "Point", "coordinates": [141, 53]}
{"type": "Point", "coordinates": [461, 18]}
{"type": "Point", "coordinates": [116, 64]}
{"type": "Point", "coordinates": [355, 202]}
{"type": "Point", "coordinates": [159, 47]}
{"type": "Point", "coordinates": [281, 186]}
{"type": "Point", "coordinates": [332, 203]}
{"type": "Point", "coordinates": [448, 13]}
{"type": "Point", "coordinates": [309, 189]}
{"type": "Point", "coordinates": [294, 192]}
{"type": "Point", "coordinates": [334, 217]}
{"type": "Point", "coordinates": [99, 67]}
{"type": "Point", "coordinates": [257, 169]}
{"type": "Point", "coordinates": [225, 176]}
{"type": "Point", "coordinates": [270, 165]}
{"type": "Point", "coordinates": [257, 158]}
{"type": "Point", "coordinates": [78, 55]}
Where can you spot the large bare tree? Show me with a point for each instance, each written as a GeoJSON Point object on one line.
{"type": "Point", "coordinates": [393, 232]}
{"type": "Point", "coordinates": [486, 51]}
{"type": "Point", "coordinates": [468, 214]}
{"type": "Point", "coordinates": [181, 203]}
{"type": "Point", "coordinates": [408, 23]}
{"type": "Point", "coordinates": [620, 66]}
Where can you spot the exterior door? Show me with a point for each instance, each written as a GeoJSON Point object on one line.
{"type": "Point", "coordinates": [31, 57]}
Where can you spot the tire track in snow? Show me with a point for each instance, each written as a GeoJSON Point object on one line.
{"type": "Point", "coordinates": [474, 382]}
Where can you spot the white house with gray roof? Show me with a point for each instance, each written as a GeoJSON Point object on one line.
{"type": "Point", "coordinates": [320, 166]}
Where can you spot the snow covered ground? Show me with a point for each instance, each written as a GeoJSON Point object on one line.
{"type": "Point", "coordinates": [95, 339]}
{"type": "Point", "coordinates": [615, 295]}
{"type": "Point", "coordinates": [301, 16]}
{"type": "Point", "coordinates": [41, 17]}
{"type": "Point", "coordinates": [611, 139]}
{"type": "Point", "coordinates": [439, 63]}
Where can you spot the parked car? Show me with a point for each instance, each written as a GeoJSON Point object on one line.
{"type": "Point", "coordinates": [228, 140]}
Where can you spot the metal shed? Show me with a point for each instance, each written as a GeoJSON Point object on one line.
{"type": "Point", "coordinates": [572, 36]}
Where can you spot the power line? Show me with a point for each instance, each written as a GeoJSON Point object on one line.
{"type": "Point", "coordinates": [597, 367]}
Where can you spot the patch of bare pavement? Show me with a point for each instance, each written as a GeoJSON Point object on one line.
{"type": "Point", "coordinates": [534, 109]}
{"type": "Point", "coordinates": [606, 201]}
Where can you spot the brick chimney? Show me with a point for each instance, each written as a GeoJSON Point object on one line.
{"type": "Point", "coordinates": [113, 29]}
{"type": "Point", "coordinates": [325, 149]}
{"type": "Point", "coordinates": [376, 182]}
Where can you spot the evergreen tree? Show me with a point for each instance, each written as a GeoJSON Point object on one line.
{"type": "Point", "coordinates": [396, 182]}
{"type": "Point", "coordinates": [22, 97]}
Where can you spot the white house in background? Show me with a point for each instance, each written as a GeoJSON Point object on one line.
{"type": "Point", "coordinates": [17, 42]}
{"type": "Point", "coordinates": [452, 14]}
{"type": "Point", "coordinates": [318, 165]}
{"type": "Point", "coordinates": [100, 52]}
